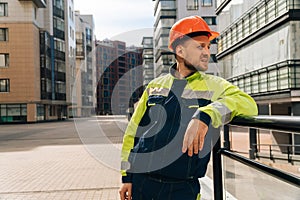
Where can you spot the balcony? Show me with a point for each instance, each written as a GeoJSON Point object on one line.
{"type": "Point", "coordinates": [60, 96]}
{"type": "Point", "coordinates": [38, 3]}
{"type": "Point", "coordinates": [58, 12]}
{"type": "Point", "coordinates": [59, 55]}
{"type": "Point", "coordinates": [59, 33]}
{"type": "Point", "coordinates": [80, 55]}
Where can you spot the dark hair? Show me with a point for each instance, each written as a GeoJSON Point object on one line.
{"type": "Point", "coordinates": [184, 38]}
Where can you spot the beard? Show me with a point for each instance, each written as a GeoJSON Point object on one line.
{"type": "Point", "coordinates": [193, 68]}
{"type": "Point", "coordinates": [189, 65]}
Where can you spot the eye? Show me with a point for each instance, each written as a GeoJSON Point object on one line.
{"type": "Point", "coordinates": [202, 46]}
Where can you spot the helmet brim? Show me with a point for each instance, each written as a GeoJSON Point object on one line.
{"type": "Point", "coordinates": [214, 35]}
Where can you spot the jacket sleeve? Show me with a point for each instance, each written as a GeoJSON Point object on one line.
{"type": "Point", "coordinates": [128, 139]}
{"type": "Point", "coordinates": [228, 101]}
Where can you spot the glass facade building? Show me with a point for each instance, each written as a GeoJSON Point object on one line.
{"type": "Point", "coordinates": [258, 50]}
{"type": "Point", "coordinates": [33, 60]}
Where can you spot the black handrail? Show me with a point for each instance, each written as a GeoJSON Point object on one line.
{"type": "Point", "coordinates": [281, 123]}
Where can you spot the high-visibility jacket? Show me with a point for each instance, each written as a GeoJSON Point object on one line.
{"type": "Point", "coordinates": [153, 139]}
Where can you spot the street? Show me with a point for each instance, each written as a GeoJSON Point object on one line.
{"type": "Point", "coordinates": [51, 161]}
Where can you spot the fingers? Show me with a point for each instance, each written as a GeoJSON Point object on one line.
{"type": "Point", "coordinates": [194, 137]}
{"type": "Point", "coordinates": [129, 195]}
{"type": "Point", "coordinates": [122, 194]}
{"type": "Point", "coordinates": [125, 192]}
{"type": "Point", "coordinates": [190, 150]}
{"type": "Point", "coordinates": [201, 141]}
{"type": "Point", "coordinates": [188, 141]}
{"type": "Point", "coordinates": [196, 144]}
{"type": "Point", "coordinates": [203, 129]}
{"type": "Point", "coordinates": [185, 143]}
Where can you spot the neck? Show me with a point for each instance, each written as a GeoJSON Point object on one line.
{"type": "Point", "coordinates": [182, 70]}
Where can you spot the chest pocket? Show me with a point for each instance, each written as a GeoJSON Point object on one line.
{"type": "Point", "coordinates": [156, 99]}
{"type": "Point", "coordinates": [156, 110]}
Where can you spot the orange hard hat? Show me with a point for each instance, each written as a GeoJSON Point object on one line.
{"type": "Point", "coordinates": [188, 25]}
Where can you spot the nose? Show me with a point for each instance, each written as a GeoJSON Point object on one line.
{"type": "Point", "coordinates": [206, 50]}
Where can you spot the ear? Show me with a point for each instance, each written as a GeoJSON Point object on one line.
{"type": "Point", "coordinates": [179, 51]}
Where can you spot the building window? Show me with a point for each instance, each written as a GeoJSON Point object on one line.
{"type": "Point", "coordinates": [59, 24]}
{"type": "Point", "coordinates": [192, 4]}
{"type": "Point", "coordinates": [4, 85]}
{"type": "Point", "coordinates": [206, 3]}
{"type": "Point", "coordinates": [59, 45]}
{"type": "Point", "coordinates": [210, 20]}
{"type": "Point", "coordinates": [58, 4]}
{"type": "Point", "coordinates": [13, 113]}
{"type": "Point", "coordinates": [4, 60]}
{"type": "Point", "coordinates": [35, 12]}
{"type": "Point", "coordinates": [3, 34]}
{"type": "Point", "coordinates": [3, 9]}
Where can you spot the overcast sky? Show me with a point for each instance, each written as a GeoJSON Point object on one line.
{"type": "Point", "coordinates": [125, 20]}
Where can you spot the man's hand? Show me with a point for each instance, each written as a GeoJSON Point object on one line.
{"type": "Point", "coordinates": [194, 137]}
{"type": "Point", "coordinates": [125, 191]}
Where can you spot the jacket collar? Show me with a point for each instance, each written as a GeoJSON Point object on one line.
{"type": "Point", "coordinates": [193, 76]}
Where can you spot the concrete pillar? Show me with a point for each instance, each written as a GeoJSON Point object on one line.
{"type": "Point", "coordinates": [46, 110]}
{"type": "Point", "coordinates": [31, 112]}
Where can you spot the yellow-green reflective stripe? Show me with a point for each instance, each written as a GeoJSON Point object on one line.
{"type": "Point", "coordinates": [151, 104]}
{"type": "Point", "coordinates": [198, 196]}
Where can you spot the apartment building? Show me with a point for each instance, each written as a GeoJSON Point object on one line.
{"type": "Point", "coordinates": [117, 77]}
{"type": "Point", "coordinates": [84, 91]}
{"type": "Point", "coordinates": [33, 71]}
{"type": "Point", "coordinates": [258, 50]}
{"type": "Point", "coordinates": [166, 13]}
{"type": "Point", "coordinates": [148, 62]}
{"type": "Point", "coordinates": [135, 75]}
{"type": "Point", "coordinates": [70, 53]}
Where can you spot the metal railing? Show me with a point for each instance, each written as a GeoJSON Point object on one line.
{"type": "Point", "coordinates": [285, 152]}
{"type": "Point", "coordinates": [281, 123]}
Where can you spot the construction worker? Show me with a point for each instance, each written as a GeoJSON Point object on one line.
{"type": "Point", "coordinates": [167, 143]}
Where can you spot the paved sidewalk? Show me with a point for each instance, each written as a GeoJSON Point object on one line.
{"type": "Point", "coordinates": [56, 172]}
{"type": "Point", "coordinates": [40, 161]}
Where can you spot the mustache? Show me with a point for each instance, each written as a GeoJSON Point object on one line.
{"type": "Point", "coordinates": [205, 56]}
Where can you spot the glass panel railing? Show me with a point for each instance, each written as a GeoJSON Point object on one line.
{"type": "Point", "coordinates": [247, 183]}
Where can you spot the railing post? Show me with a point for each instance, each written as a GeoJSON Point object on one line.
{"type": "Point", "coordinates": [226, 137]}
{"type": "Point", "coordinates": [289, 154]}
{"type": "Point", "coordinates": [270, 149]}
{"type": "Point", "coordinates": [217, 171]}
{"type": "Point", "coordinates": [253, 142]}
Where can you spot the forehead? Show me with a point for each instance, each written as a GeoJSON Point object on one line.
{"type": "Point", "coordinates": [198, 40]}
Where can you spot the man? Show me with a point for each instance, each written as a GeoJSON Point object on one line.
{"type": "Point", "coordinates": [167, 143]}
